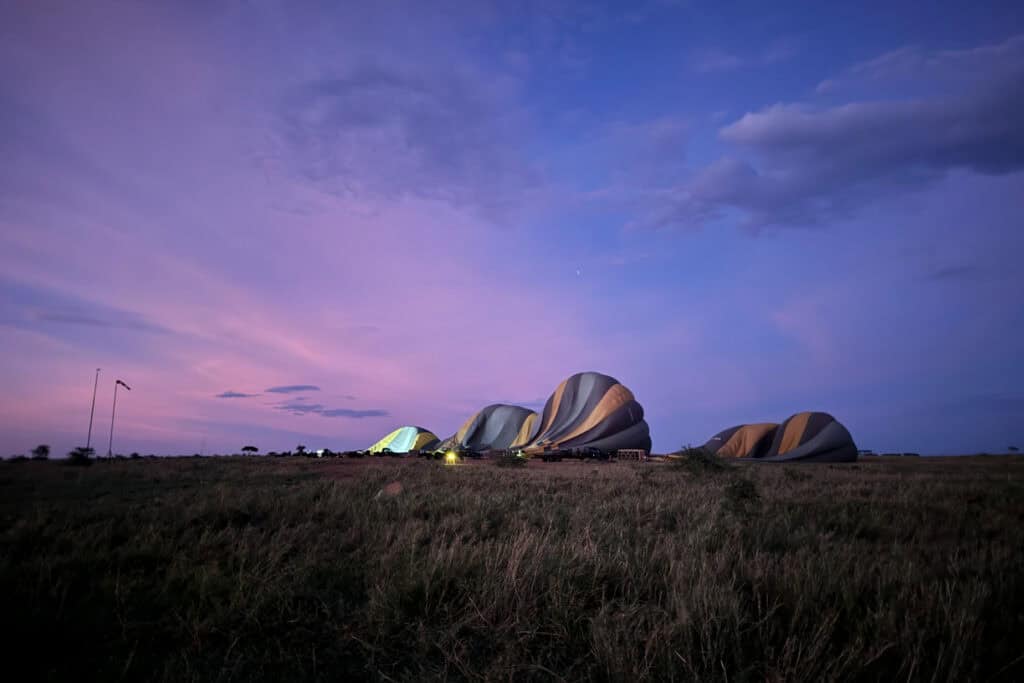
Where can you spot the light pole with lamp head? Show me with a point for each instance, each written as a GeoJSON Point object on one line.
{"type": "Point", "coordinates": [95, 383]}
{"type": "Point", "coordinates": [110, 446]}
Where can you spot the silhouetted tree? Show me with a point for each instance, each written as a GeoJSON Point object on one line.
{"type": "Point", "coordinates": [300, 450]}
{"type": "Point", "coordinates": [41, 452]}
{"type": "Point", "coordinates": [1012, 449]}
{"type": "Point", "coordinates": [81, 456]}
{"type": "Point", "coordinates": [250, 449]}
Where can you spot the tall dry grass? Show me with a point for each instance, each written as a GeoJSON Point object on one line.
{"type": "Point", "coordinates": [250, 569]}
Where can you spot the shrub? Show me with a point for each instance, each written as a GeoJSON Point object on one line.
{"type": "Point", "coordinates": [510, 461]}
{"type": "Point", "coordinates": [81, 457]}
{"type": "Point", "coordinates": [41, 452]}
{"type": "Point", "coordinates": [698, 461]}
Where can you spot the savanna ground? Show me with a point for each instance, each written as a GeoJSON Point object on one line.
{"type": "Point", "coordinates": [238, 569]}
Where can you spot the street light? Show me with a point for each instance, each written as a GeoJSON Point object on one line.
{"type": "Point", "coordinates": [95, 383]}
{"type": "Point", "coordinates": [110, 446]}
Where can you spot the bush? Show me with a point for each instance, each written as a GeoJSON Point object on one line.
{"type": "Point", "coordinates": [510, 461]}
{"type": "Point", "coordinates": [698, 461]}
{"type": "Point", "coordinates": [41, 452]}
{"type": "Point", "coordinates": [81, 457]}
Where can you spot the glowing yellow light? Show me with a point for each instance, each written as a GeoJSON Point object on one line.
{"type": "Point", "coordinates": [451, 458]}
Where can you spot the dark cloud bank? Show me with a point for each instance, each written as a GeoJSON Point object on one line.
{"type": "Point", "coordinates": [801, 164]}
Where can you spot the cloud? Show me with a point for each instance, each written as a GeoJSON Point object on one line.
{"type": "Point", "coordinates": [384, 130]}
{"type": "Point", "coordinates": [916, 67]}
{"type": "Point", "coordinates": [48, 309]}
{"type": "Point", "coordinates": [780, 51]}
{"type": "Point", "coordinates": [800, 164]}
{"type": "Point", "coordinates": [715, 60]}
{"type": "Point", "coordinates": [347, 412]}
{"type": "Point", "coordinates": [299, 408]}
{"type": "Point", "coordinates": [121, 320]}
{"type": "Point", "coordinates": [957, 273]}
{"type": "Point", "coordinates": [234, 394]}
{"type": "Point", "coordinates": [292, 389]}
{"type": "Point", "coordinates": [637, 153]}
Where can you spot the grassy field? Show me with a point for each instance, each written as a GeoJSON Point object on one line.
{"type": "Point", "coordinates": [237, 569]}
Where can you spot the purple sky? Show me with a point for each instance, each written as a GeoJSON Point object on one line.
{"type": "Point", "coordinates": [298, 222]}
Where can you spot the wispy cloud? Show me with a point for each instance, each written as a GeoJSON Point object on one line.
{"type": "Point", "coordinates": [124, 321]}
{"type": "Point", "coordinates": [716, 60]}
{"type": "Point", "coordinates": [57, 313]}
{"type": "Point", "coordinates": [300, 408]}
{"type": "Point", "coordinates": [914, 66]}
{"type": "Point", "coordinates": [234, 394]}
{"type": "Point", "coordinates": [780, 51]}
{"type": "Point", "coordinates": [964, 272]}
{"type": "Point", "coordinates": [292, 389]}
{"type": "Point", "coordinates": [357, 414]}
{"type": "Point", "coordinates": [381, 130]}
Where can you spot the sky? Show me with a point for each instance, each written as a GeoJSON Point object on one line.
{"type": "Point", "coordinates": [314, 222]}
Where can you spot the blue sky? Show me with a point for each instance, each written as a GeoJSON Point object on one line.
{"type": "Point", "coordinates": [739, 213]}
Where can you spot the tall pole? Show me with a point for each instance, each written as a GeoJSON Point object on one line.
{"type": "Point", "coordinates": [110, 446]}
{"type": "Point", "coordinates": [95, 383]}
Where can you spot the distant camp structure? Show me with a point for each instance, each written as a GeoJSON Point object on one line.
{"type": "Point", "coordinates": [588, 411]}
{"type": "Point", "coordinates": [405, 439]}
{"type": "Point", "coordinates": [804, 437]}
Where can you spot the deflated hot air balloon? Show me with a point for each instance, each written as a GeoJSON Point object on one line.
{"type": "Point", "coordinates": [496, 427]}
{"type": "Point", "coordinates": [405, 439]}
{"type": "Point", "coordinates": [588, 410]}
{"type": "Point", "coordinates": [591, 410]}
{"type": "Point", "coordinates": [742, 441]}
{"type": "Point", "coordinates": [804, 437]}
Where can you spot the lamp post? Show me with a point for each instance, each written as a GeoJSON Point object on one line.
{"type": "Point", "coordinates": [110, 446]}
{"type": "Point", "coordinates": [95, 383]}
